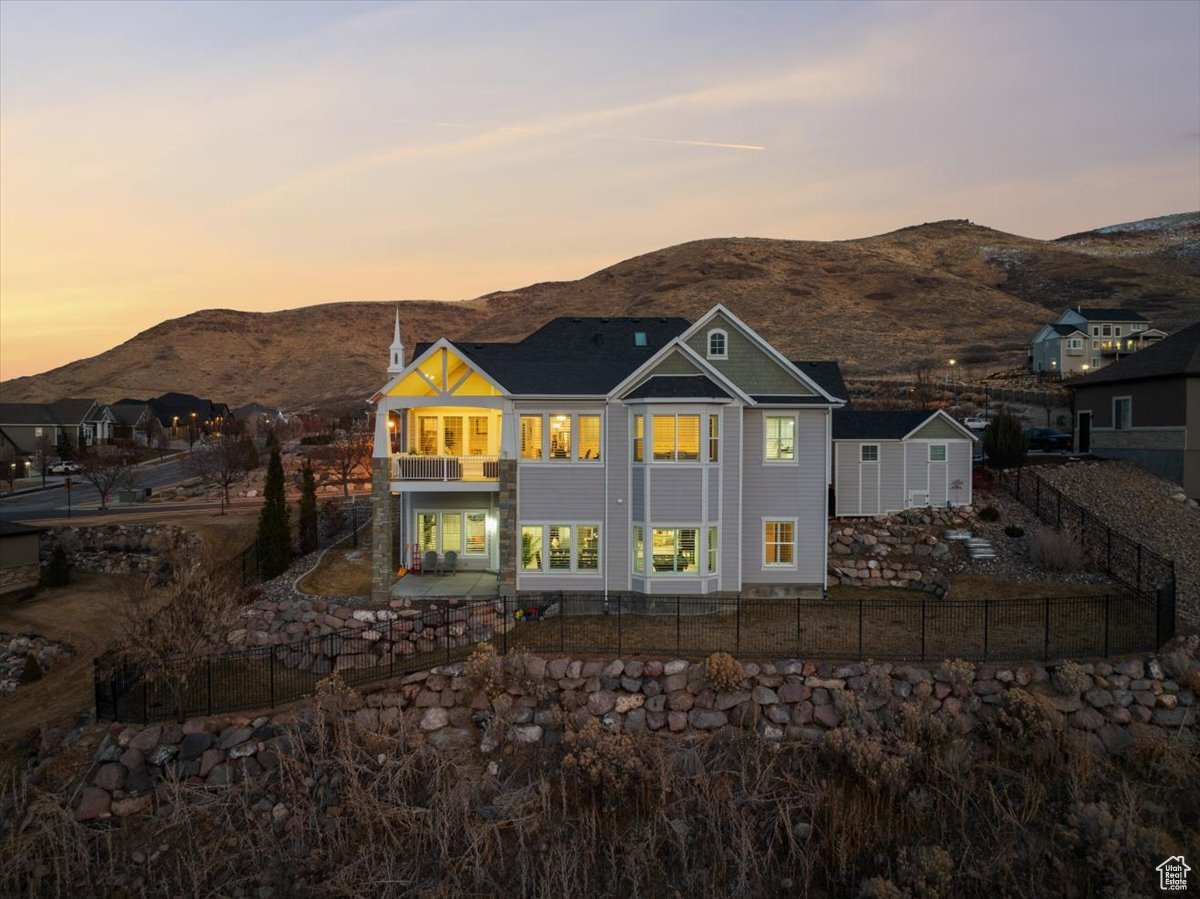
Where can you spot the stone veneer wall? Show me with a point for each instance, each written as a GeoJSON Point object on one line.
{"type": "Point", "coordinates": [383, 566]}
{"type": "Point", "coordinates": [19, 577]}
{"type": "Point", "coordinates": [1099, 704]}
{"type": "Point", "coordinates": [118, 548]}
{"type": "Point", "coordinates": [507, 527]}
{"type": "Point", "coordinates": [904, 550]}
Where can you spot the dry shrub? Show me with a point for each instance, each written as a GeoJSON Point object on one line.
{"type": "Point", "coordinates": [1115, 846]}
{"type": "Point", "coordinates": [494, 674]}
{"type": "Point", "coordinates": [597, 759]}
{"type": "Point", "coordinates": [1191, 679]}
{"type": "Point", "coordinates": [879, 763]}
{"type": "Point", "coordinates": [922, 872]}
{"type": "Point", "coordinates": [1070, 679]}
{"type": "Point", "coordinates": [1053, 550]}
{"type": "Point", "coordinates": [722, 673]}
{"type": "Point", "coordinates": [959, 674]}
{"type": "Point", "coordinates": [1026, 724]}
{"type": "Point", "coordinates": [989, 514]}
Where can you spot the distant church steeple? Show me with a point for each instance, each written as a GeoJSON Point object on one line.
{"type": "Point", "coordinates": [397, 351]}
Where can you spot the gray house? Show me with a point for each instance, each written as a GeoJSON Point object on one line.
{"type": "Point", "coordinates": [1087, 339]}
{"type": "Point", "coordinates": [890, 461]}
{"type": "Point", "coordinates": [643, 455]}
{"type": "Point", "coordinates": [1146, 408]}
{"type": "Point", "coordinates": [85, 421]}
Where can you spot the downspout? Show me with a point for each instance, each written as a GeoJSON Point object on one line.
{"type": "Point", "coordinates": [605, 533]}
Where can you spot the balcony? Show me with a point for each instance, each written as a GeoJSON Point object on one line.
{"type": "Point", "coordinates": [453, 469]}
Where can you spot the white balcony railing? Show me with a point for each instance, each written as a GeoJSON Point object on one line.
{"type": "Point", "coordinates": [445, 468]}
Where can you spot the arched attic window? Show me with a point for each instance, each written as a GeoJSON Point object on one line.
{"type": "Point", "coordinates": [718, 344]}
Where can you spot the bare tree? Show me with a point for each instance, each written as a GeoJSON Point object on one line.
{"type": "Point", "coordinates": [221, 462]}
{"type": "Point", "coordinates": [922, 395]}
{"type": "Point", "coordinates": [8, 464]}
{"type": "Point", "coordinates": [349, 453]}
{"type": "Point", "coordinates": [106, 471]}
{"type": "Point", "coordinates": [169, 630]}
{"type": "Point", "coordinates": [43, 452]}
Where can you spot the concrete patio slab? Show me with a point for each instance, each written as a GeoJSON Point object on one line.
{"type": "Point", "coordinates": [462, 583]}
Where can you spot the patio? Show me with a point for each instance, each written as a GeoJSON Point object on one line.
{"type": "Point", "coordinates": [475, 584]}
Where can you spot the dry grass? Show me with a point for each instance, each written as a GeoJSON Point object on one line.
{"type": "Point", "coordinates": [893, 804]}
{"type": "Point", "coordinates": [344, 570]}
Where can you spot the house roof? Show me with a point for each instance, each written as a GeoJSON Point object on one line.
{"type": "Point", "coordinates": [16, 529]}
{"type": "Point", "coordinates": [60, 412]}
{"type": "Point", "coordinates": [1066, 330]}
{"type": "Point", "coordinates": [1174, 356]}
{"type": "Point", "coordinates": [827, 373]}
{"type": "Point", "coordinates": [806, 399]}
{"type": "Point", "coordinates": [678, 387]}
{"type": "Point", "coordinates": [169, 405]}
{"type": "Point", "coordinates": [853, 424]}
{"type": "Point", "coordinates": [571, 356]}
{"type": "Point", "coordinates": [130, 413]}
{"type": "Point", "coordinates": [1100, 314]}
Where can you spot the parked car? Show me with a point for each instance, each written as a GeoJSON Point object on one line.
{"type": "Point", "coordinates": [977, 423]}
{"type": "Point", "coordinates": [1048, 439]}
{"type": "Point", "coordinates": [65, 468]}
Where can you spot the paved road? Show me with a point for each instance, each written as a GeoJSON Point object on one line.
{"type": "Point", "coordinates": [53, 503]}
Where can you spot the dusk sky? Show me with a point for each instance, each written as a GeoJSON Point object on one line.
{"type": "Point", "coordinates": [157, 158]}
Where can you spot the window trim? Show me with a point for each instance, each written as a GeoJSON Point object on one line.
{"type": "Point", "coordinates": [862, 449]}
{"type": "Point", "coordinates": [714, 437]}
{"type": "Point", "coordinates": [573, 419]}
{"type": "Point", "coordinates": [944, 447]}
{"type": "Point", "coordinates": [701, 533]}
{"type": "Point", "coordinates": [1116, 422]}
{"type": "Point", "coordinates": [712, 550]}
{"type": "Point", "coordinates": [675, 460]}
{"type": "Point", "coordinates": [794, 460]}
{"type": "Point", "coordinates": [795, 523]}
{"type": "Point", "coordinates": [708, 342]}
{"type": "Point", "coordinates": [574, 569]}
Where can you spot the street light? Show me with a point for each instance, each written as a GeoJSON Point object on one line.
{"type": "Point", "coordinates": [192, 432]}
{"type": "Point", "coordinates": [949, 371]}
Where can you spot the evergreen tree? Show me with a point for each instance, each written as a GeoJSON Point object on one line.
{"type": "Point", "coordinates": [274, 543]}
{"type": "Point", "coordinates": [1004, 443]}
{"type": "Point", "coordinates": [58, 571]}
{"type": "Point", "coordinates": [65, 446]}
{"type": "Point", "coordinates": [308, 509]}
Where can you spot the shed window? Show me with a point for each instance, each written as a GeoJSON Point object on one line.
{"type": "Point", "coordinates": [870, 452]}
{"type": "Point", "coordinates": [937, 452]}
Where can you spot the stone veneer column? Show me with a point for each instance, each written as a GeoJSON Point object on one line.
{"type": "Point", "coordinates": [506, 530]}
{"type": "Point", "coordinates": [383, 563]}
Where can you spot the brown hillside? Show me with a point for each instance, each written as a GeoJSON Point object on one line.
{"type": "Point", "coordinates": [929, 292]}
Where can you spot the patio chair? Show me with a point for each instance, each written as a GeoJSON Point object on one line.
{"type": "Point", "coordinates": [449, 562]}
{"type": "Point", "coordinates": [431, 562]}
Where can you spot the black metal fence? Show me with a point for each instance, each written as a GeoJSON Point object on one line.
{"type": "Point", "coordinates": [918, 629]}
{"type": "Point", "coordinates": [1124, 559]}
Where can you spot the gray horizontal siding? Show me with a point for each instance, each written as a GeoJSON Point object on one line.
{"type": "Point", "coordinates": [729, 538]}
{"type": "Point", "coordinates": [614, 534]}
{"type": "Point", "coordinates": [676, 494]}
{"type": "Point", "coordinates": [714, 494]}
{"type": "Point", "coordinates": [555, 581]}
{"type": "Point", "coordinates": [548, 493]}
{"type": "Point", "coordinates": [891, 469]}
{"type": "Point", "coordinates": [637, 502]}
{"type": "Point", "coordinates": [846, 480]}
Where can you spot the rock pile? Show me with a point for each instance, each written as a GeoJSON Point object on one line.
{"type": "Point", "coordinates": [905, 550]}
{"type": "Point", "coordinates": [119, 548]}
{"type": "Point", "coordinates": [1098, 704]}
{"type": "Point", "coordinates": [15, 651]}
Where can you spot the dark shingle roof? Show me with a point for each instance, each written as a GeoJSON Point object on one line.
{"type": "Point", "coordinates": [16, 529]}
{"type": "Point", "coordinates": [850, 424]}
{"type": "Point", "coordinates": [1098, 314]}
{"type": "Point", "coordinates": [1174, 356]}
{"type": "Point", "coordinates": [789, 400]}
{"type": "Point", "coordinates": [1064, 330]}
{"type": "Point", "coordinates": [61, 412]}
{"type": "Point", "coordinates": [827, 374]}
{"type": "Point", "coordinates": [170, 405]}
{"type": "Point", "coordinates": [572, 356]}
{"type": "Point", "coordinates": [129, 413]}
{"type": "Point", "coordinates": [678, 387]}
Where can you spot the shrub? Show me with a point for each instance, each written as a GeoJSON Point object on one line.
{"type": "Point", "coordinates": [722, 673]}
{"type": "Point", "coordinates": [1027, 722]}
{"type": "Point", "coordinates": [1070, 679]}
{"type": "Point", "coordinates": [989, 514]}
{"type": "Point", "coordinates": [1053, 550]}
{"type": "Point", "coordinates": [494, 674]}
{"type": "Point", "coordinates": [31, 671]}
{"type": "Point", "coordinates": [959, 674]}
{"type": "Point", "coordinates": [58, 571]}
{"type": "Point", "coordinates": [1014, 530]}
{"type": "Point", "coordinates": [607, 762]}
{"type": "Point", "coordinates": [1005, 445]}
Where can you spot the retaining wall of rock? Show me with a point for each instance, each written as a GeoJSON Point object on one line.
{"type": "Point", "coordinates": [118, 548]}
{"type": "Point", "coordinates": [1100, 704]}
{"type": "Point", "coordinates": [903, 550]}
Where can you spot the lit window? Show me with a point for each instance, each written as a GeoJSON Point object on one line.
{"type": "Point", "coordinates": [718, 345]}
{"type": "Point", "coordinates": [451, 532]}
{"type": "Point", "coordinates": [452, 433]}
{"type": "Point", "coordinates": [560, 547]}
{"type": "Point", "coordinates": [531, 548]}
{"type": "Point", "coordinates": [639, 436]}
{"type": "Point", "coordinates": [714, 437]}
{"type": "Point", "coordinates": [639, 551]}
{"type": "Point", "coordinates": [937, 452]}
{"type": "Point", "coordinates": [560, 436]}
{"type": "Point", "coordinates": [781, 438]}
{"type": "Point", "coordinates": [688, 437]}
{"type": "Point", "coordinates": [477, 435]}
{"type": "Point", "coordinates": [779, 543]}
{"type": "Point", "coordinates": [476, 534]}
{"type": "Point", "coordinates": [531, 436]}
{"type": "Point", "coordinates": [712, 550]}
{"type": "Point", "coordinates": [674, 551]}
{"type": "Point", "coordinates": [427, 528]}
{"type": "Point", "coordinates": [427, 435]}
{"type": "Point", "coordinates": [870, 452]}
{"type": "Point", "coordinates": [589, 438]}
{"type": "Point", "coordinates": [1123, 413]}
{"type": "Point", "coordinates": [664, 438]}
{"type": "Point", "coordinates": [639, 338]}
{"type": "Point", "coordinates": [589, 548]}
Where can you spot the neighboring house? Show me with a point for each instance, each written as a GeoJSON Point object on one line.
{"type": "Point", "coordinates": [133, 421]}
{"type": "Point", "coordinates": [1146, 408]}
{"type": "Point", "coordinates": [185, 416]}
{"type": "Point", "coordinates": [609, 455]}
{"type": "Point", "coordinates": [1087, 339]}
{"type": "Point", "coordinates": [889, 461]}
{"type": "Point", "coordinates": [20, 568]}
{"type": "Point", "coordinates": [86, 421]}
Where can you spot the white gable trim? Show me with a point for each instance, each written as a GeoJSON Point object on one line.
{"type": "Point", "coordinates": [441, 344]}
{"type": "Point", "coordinates": [940, 413]}
{"type": "Point", "coordinates": [753, 336]}
{"type": "Point", "coordinates": [676, 343]}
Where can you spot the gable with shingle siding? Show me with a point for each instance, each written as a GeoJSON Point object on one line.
{"type": "Point", "coordinates": [747, 365]}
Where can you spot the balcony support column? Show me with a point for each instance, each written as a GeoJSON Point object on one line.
{"type": "Point", "coordinates": [383, 532]}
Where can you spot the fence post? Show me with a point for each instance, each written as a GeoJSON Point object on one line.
{"type": "Point", "coordinates": [208, 683]}
{"type": "Point", "coordinates": [922, 630]}
{"type": "Point", "coordinates": [1108, 550]}
{"type": "Point", "coordinates": [986, 608]}
{"type": "Point", "coordinates": [562, 616]}
{"type": "Point", "coordinates": [145, 702]}
{"type": "Point", "coordinates": [618, 628]}
{"type": "Point", "coordinates": [797, 627]}
{"type": "Point", "coordinates": [271, 673]}
{"type": "Point", "coordinates": [1139, 572]}
{"type": "Point", "coordinates": [1046, 632]}
{"type": "Point", "coordinates": [737, 640]}
{"type": "Point", "coordinates": [678, 623]}
{"type": "Point", "coordinates": [1037, 497]}
{"type": "Point", "coordinates": [504, 623]}
{"type": "Point", "coordinates": [1058, 512]}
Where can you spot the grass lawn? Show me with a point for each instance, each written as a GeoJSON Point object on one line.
{"type": "Point", "coordinates": [345, 570]}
